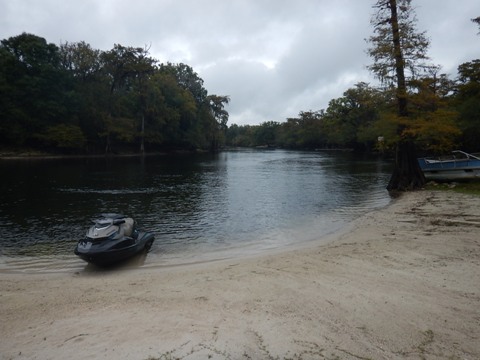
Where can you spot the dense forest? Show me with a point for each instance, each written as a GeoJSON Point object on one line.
{"type": "Point", "coordinates": [72, 98]}
{"type": "Point", "coordinates": [444, 114]}
{"type": "Point", "coordinates": [75, 99]}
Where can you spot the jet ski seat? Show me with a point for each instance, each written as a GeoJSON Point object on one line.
{"type": "Point", "coordinates": [127, 227]}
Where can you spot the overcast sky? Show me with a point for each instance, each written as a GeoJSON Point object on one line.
{"type": "Point", "coordinates": [274, 58]}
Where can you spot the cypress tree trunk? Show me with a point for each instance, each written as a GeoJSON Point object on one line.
{"type": "Point", "coordinates": [142, 136]}
{"type": "Point", "coordinates": [407, 174]}
{"type": "Point", "coordinates": [399, 63]}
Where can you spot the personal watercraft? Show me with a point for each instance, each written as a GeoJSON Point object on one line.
{"type": "Point", "coordinates": [112, 238]}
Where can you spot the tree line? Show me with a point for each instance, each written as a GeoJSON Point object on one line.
{"type": "Point", "coordinates": [73, 98]}
{"type": "Point", "coordinates": [414, 105]}
{"type": "Point", "coordinates": [443, 114]}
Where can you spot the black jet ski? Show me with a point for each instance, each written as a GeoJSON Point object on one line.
{"type": "Point", "coordinates": [111, 239]}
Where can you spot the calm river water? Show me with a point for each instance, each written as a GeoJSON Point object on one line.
{"type": "Point", "coordinates": [200, 207]}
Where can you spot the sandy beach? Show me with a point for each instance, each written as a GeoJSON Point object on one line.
{"type": "Point", "coordinates": [400, 283]}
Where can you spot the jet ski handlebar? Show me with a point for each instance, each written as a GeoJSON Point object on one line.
{"type": "Point", "coordinates": [109, 219]}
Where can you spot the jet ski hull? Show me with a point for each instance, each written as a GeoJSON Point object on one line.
{"type": "Point", "coordinates": [108, 252]}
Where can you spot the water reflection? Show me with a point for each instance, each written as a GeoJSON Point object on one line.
{"type": "Point", "coordinates": [198, 206]}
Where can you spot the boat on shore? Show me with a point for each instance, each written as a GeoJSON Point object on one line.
{"type": "Point", "coordinates": [111, 239]}
{"type": "Point", "coordinates": [456, 167]}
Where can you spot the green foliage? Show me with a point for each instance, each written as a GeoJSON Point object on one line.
{"type": "Point", "coordinates": [436, 132]}
{"type": "Point", "coordinates": [265, 134]}
{"type": "Point", "coordinates": [63, 136]}
{"type": "Point", "coordinates": [434, 112]}
{"type": "Point", "coordinates": [440, 111]}
{"type": "Point", "coordinates": [414, 44]}
{"type": "Point", "coordinates": [243, 136]}
{"type": "Point", "coordinates": [433, 120]}
{"type": "Point", "coordinates": [465, 187]}
{"type": "Point", "coordinates": [468, 103]}
{"type": "Point", "coordinates": [68, 96]}
{"type": "Point", "coordinates": [346, 123]}
{"type": "Point", "coordinates": [74, 97]}
{"type": "Point", "coordinates": [34, 90]}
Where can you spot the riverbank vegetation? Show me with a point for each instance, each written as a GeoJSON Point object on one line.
{"type": "Point", "coordinates": [416, 105]}
{"type": "Point", "coordinates": [465, 187]}
{"type": "Point", "coordinates": [444, 114]}
{"type": "Point", "coordinates": [73, 99]}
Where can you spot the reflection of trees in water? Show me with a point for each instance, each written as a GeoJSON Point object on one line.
{"type": "Point", "coordinates": [203, 202]}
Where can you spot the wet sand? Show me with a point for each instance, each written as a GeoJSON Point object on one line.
{"type": "Point", "coordinates": [401, 283]}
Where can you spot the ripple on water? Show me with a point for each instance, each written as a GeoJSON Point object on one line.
{"type": "Point", "coordinates": [198, 207]}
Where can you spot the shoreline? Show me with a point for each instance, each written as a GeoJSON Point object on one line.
{"type": "Point", "coordinates": [402, 282]}
{"type": "Point", "coordinates": [69, 263]}
{"type": "Point", "coordinates": [11, 157]}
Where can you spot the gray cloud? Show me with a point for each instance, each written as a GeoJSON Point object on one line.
{"type": "Point", "coordinates": [274, 58]}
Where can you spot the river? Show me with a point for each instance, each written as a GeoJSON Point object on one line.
{"type": "Point", "coordinates": [200, 207]}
